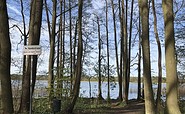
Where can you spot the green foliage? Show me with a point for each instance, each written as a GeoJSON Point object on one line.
{"type": "Point", "coordinates": [182, 106]}
{"type": "Point", "coordinates": [41, 106]}
{"type": "Point", "coordinates": [85, 105]}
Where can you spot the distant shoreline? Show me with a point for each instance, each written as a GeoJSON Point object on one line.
{"type": "Point", "coordinates": [86, 78]}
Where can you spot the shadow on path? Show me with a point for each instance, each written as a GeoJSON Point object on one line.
{"type": "Point", "coordinates": [133, 107]}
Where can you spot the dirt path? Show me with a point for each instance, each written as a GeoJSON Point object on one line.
{"type": "Point", "coordinates": [134, 107]}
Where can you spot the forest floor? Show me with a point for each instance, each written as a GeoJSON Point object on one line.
{"type": "Point", "coordinates": [133, 107]}
{"type": "Point", "coordinates": [115, 107]}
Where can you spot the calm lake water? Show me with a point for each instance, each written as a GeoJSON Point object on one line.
{"type": "Point", "coordinates": [114, 91]}
{"type": "Point", "coordinates": [41, 85]}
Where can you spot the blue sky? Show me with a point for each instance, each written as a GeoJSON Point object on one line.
{"type": "Point", "coordinates": [17, 52]}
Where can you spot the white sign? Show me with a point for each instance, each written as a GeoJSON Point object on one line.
{"type": "Point", "coordinates": [32, 50]}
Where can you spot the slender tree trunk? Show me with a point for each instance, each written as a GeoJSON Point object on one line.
{"type": "Point", "coordinates": [108, 61]}
{"type": "Point", "coordinates": [58, 70]}
{"type": "Point", "coordinates": [125, 59]}
{"type": "Point", "coordinates": [74, 54]}
{"type": "Point", "coordinates": [63, 40]}
{"type": "Point", "coordinates": [121, 54]}
{"type": "Point", "coordinates": [24, 34]}
{"type": "Point", "coordinates": [99, 61]}
{"type": "Point", "coordinates": [115, 39]}
{"type": "Point", "coordinates": [158, 100]}
{"type": "Point", "coordinates": [129, 50]}
{"type": "Point", "coordinates": [5, 61]}
{"type": "Point", "coordinates": [60, 82]}
{"type": "Point", "coordinates": [71, 48]}
{"type": "Point", "coordinates": [139, 62]}
{"type": "Point", "coordinates": [52, 32]}
{"type": "Point", "coordinates": [170, 61]}
{"type": "Point", "coordinates": [79, 60]}
{"type": "Point", "coordinates": [58, 56]}
{"type": "Point", "coordinates": [148, 91]}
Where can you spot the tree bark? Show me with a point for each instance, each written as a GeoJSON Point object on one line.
{"type": "Point", "coordinates": [79, 60]}
{"type": "Point", "coordinates": [34, 39]}
{"type": "Point", "coordinates": [115, 39]}
{"type": "Point", "coordinates": [125, 53]}
{"type": "Point", "coordinates": [63, 40]}
{"type": "Point", "coordinates": [74, 53]}
{"type": "Point", "coordinates": [130, 41]}
{"type": "Point", "coordinates": [158, 100]}
{"type": "Point", "coordinates": [120, 78]}
{"type": "Point", "coordinates": [5, 61]}
{"type": "Point", "coordinates": [24, 34]}
{"type": "Point", "coordinates": [148, 91]}
{"type": "Point", "coordinates": [71, 48]}
{"type": "Point", "coordinates": [52, 35]}
{"type": "Point", "coordinates": [170, 61]}
{"type": "Point", "coordinates": [139, 62]}
{"type": "Point", "coordinates": [108, 55]}
{"type": "Point", "coordinates": [99, 61]}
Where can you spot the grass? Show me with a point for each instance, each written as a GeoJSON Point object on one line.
{"type": "Point", "coordinates": [92, 106]}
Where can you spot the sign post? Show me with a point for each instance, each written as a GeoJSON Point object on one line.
{"type": "Point", "coordinates": [31, 50]}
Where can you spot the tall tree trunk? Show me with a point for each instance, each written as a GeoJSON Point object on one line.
{"type": "Point", "coordinates": [79, 60]}
{"type": "Point", "coordinates": [139, 62]}
{"type": "Point", "coordinates": [158, 100]}
{"type": "Point", "coordinates": [125, 57]}
{"type": "Point", "coordinates": [99, 61]}
{"type": "Point", "coordinates": [115, 39]}
{"type": "Point", "coordinates": [24, 34]}
{"type": "Point", "coordinates": [74, 55]}
{"type": "Point", "coordinates": [148, 91]}
{"type": "Point", "coordinates": [170, 61]}
{"type": "Point", "coordinates": [63, 40]}
{"type": "Point", "coordinates": [108, 61]}
{"type": "Point", "coordinates": [34, 39]}
{"type": "Point", "coordinates": [71, 48]}
{"type": "Point", "coordinates": [52, 34]}
{"type": "Point", "coordinates": [5, 61]}
{"type": "Point", "coordinates": [59, 81]}
{"type": "Point", "coordinates": [129, 50]}
{"type": "Point", "coordinates": [121, 54]}
{"type": "Point", "coordinates": [58, 59]}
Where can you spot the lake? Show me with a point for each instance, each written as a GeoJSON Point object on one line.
{"type": "Point", "coordinates": [41, 85]}
{"type": "Point", "coordinates": [114, 90]}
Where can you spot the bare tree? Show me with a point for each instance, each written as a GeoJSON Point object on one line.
{"type": "Point", "coordinates": [5, 61]}
{"type": "Point", "coordinates": [125, 51]}
{"type": "Point", "coordinates": [139, 62]}
{"type": "Point", "coordinates": [52, 35]}
{"type": "Point", "coordinates": [148, 91]}
{"type": "Point", "coordinates": [115, 37]}
{"type": "Point", "coordinates": [99, 61]}
{"type": "Point", "coordinates": [129, 44]}
{"type": "Point", "coordinates": [158, 101]}
{"type": "Point", "coordinates": [34, 39]}
{"type": "Point", "coordinates": [78, 69]}
{"type": "Point", "coordinates": [120, 78]}
{"type": "Point", "coordinates": [71, 47]}
{"type": "Point", "coordinates": [107, 38]}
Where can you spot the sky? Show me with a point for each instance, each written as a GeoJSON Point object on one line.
{"type": "Point", "coordinates": [17, 52]}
